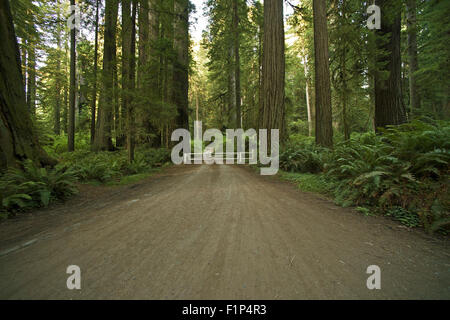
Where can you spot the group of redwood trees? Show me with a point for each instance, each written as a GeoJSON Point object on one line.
{"type": "Point", "coordinates": [146, 82]}
{"type": "Point", "coordinates": [150, 77]}
{"type": "Point", "coordinates": [389, 106]}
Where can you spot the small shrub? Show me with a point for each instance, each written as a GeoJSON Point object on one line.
{"type": "Point", "coordinates": [138, 165]}
{"type": "Point", "coordinates": [409, 219]}
{"type": "Point", "coordinates": [156, 157]}
{"type": "Point", "coordinates": [33, 186]}
{"type": "Point", "coordinates": [302, 157]}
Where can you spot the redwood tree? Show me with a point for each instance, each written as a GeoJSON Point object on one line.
{"type": "Point", "coordinates": [102, 139]}
{"type": "Point", "coordinates": [128, 71]}
{"type": "Point", "coordinates": [324, 128]}
{"type": "Point", "coordinates": [72, 93]}
{"type": "Point", "coordinates": [181, 64]}
{"type": "Point", "coordinates": [272, 109]}
{"type": "Point", "coordinates": [127, 30]}
{"type": "Point", "coordinates": [94, 85]}
{"type": "Point", "coordinates": [414, 97]}
{"type": "Point", "coordinates": [237, 63]}
{"type": "Point", "coordinates": [389, 107]}
{"type": "Point", "coordinates": [18, 140]}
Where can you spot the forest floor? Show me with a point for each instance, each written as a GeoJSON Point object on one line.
{"type": "Point", "coordinates": [215, 232]}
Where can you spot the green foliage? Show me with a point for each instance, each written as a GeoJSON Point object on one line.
{"type": "Point", "coordinates": [365, 211]}
{"type": "Point", "coordinates": [425, 145]}
{"type": "Point", "coordinates": [58, 143]}
{"type": "Point", "coordinates": [156, 157]}
{"type": "Point", "coordinates": [302, 157]}
{"type": "Point", "coordinates": [404, 172]}
{"type": "Point", "coordinates": [107, 166]}
{"type": "Point", "coordinates": [218, 109]}
{"type": "Point", "coordinates": [34, 187]}
{"type": "Point", "coordinates": [434, 57]}
{"type": "Point", "coordinates": [308, 182]}
{"type": "Point", "coordinates": [98, 167]}
{"type": "Point", "coordinates": [409, 219]}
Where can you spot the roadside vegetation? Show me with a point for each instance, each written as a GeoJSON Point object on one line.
{"type": "Point", "coordinates": [362, 113]}
{"type": "Point", "coordinates": [402, 173]}
{"type": "Point", "coordinates": [31, 186]}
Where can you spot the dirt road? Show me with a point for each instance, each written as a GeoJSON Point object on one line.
{"type": "Point", "coordinates": [215, 232]}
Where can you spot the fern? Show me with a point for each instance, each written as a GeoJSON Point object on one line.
{"type": "Point", "coordinates": [33, 186]}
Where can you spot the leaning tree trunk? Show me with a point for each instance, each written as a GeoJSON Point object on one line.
{"type": "Point", "coordinates": [414, 97]}
{"type": "Point", "coordinates": [18, 141]}
{"type": "Point", "coordinates": [273, 67]}
{"type": "Point", "coordinates": [308, 104]}
{"type": "Point", "coordinates": [181, 65]}
{"type": "Point", "coordinates": [324, 126]}
{"type": "Point", "coordinates": [389, 108]}
{"type": "Point", "coordinates": [102, 139]}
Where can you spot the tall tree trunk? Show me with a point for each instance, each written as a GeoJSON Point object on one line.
{"type": "Point", "coordinates": [18, 141]}
{"type": "Point", "coordinates": [165, 70]}
{"type": "Point", "coordinates": [102, 140]}
{"type": "Point", "coordinates": [72, 95]}
{"type": "Point", "coordinates": [143, 23]}
{"type": "Point", "coordinates": [272, 107]}
{"type": "Point", "coordinates": [57, 111]}
{"type": "Point", "coordinates": [181, 65]}
{"type": "Point", "coordinates": [94, 86]}
{"type": "Point", "coordinates": [24, 62]}
{"type": "Point", "coordinates": [344, 112]}
{"type": "Point", "coordinates": [126, 64]}
{"type": "Point", "coordinates": [196, 105]}
{"type": "Point", "coordinates": [148, 73]}
{"type": "Point", "coordinates": [345, 93]}
{"type": "Point", "coordinates": [143, 62]}
{"type": "Point", "coordinates": [65, 110]}
{"type": "Point", "coordinates": [231, 87]}
{"type": "Point", "coordinates": [31, 80]}
{"type": "Point", "coordinates": [131, 86]}
{"type": "Point", "coordinates": [260, 77]}
{"type": "Point", "coordinates": [324, 128]}
{"type": "Point", "coordinates": [389, 107]}
{"type": "Point", "coordinates": [116, 117]}
{"type": "Point", "coordinates": [414, 96]}
{"type": "Point", "coordinates": [237, 63]}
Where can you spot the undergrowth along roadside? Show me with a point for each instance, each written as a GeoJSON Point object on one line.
{"type": "Point", "coordinates": [30, 186]}
{"type": "Point", "coordinates": [402, 173]}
